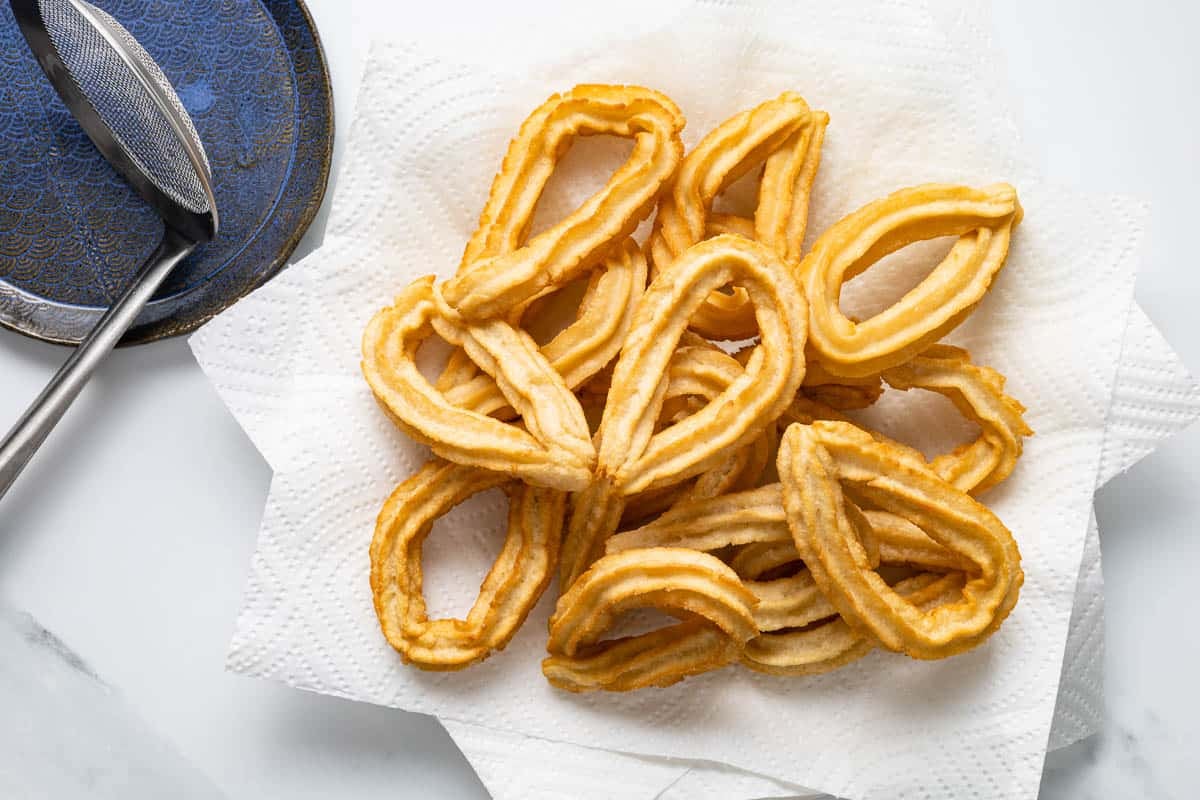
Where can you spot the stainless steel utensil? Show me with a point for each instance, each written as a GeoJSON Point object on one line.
{"type": "Point", "coordinates": [127, 107]}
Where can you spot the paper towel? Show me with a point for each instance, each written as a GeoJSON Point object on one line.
{"type": "Point", "coordinates": [1154, 397]}
{"type": "Point", "coordinates": [428, 135]}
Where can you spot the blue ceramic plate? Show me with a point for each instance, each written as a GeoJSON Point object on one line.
{"type": "Point", "coordinates": [72, 233]}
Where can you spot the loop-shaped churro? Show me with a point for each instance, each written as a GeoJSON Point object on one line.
{"type": "Point", "coordinates": [750, 517]}
{"type": "Point", "coordinates": [504, 225]}
{"type": "Point", "coordinates": [756, 522]}
{"type": "Point", "coordinates": [814, 649]}
{"type": "Point", "coordinates": [497, 274]}
{"type": "Point", "coordinates": [728, 223]}
{"type": "Point", "coordinates": [718, 612]}
{"type": "Point", "coordinates": [577, 352]}
{"type": "Point", "coordinates": [784, 134]}
{"type": "Point", "coordinates": [631, 456]}
{"type": "Point", "coordinates": [753, 561]}
{"type": "Point", "coordinates": [703, 372]}
{"type": "Point", "coordinates": [784, 191]}
{"type": "Point", "coordinates": [698, 372]}
{"type": "Point", "coordinates": [553, 450]}
{"type": "Point", "coordinates": [814, 463]}
{"type": "Point", "coordinates": [629, 451]}
{"type": "Point", "coordinates": [832, 391]}
{"type": "Point", "coordinates": [861, 543]}
{"type": "Point", "coordinates": [903, 543]}
{"type": "Point", "coordinates": [840, 392]}
{"type": "Point", "coordinates": [512, 587]}
{"type": "Point", "coordinates": [983, 219]}
{"type": "Point", "coordinates": [658, 658]}
{"type": "Point", "coordinates": [978, 393]}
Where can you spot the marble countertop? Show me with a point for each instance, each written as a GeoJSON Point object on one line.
{"type": "Point", "coordinates": [129, 536]}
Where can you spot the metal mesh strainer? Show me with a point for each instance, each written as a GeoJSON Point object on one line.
{"type": "Point", "coordinates": [130, 111]}
{"type": "Point", "coordinates": [126, 105]}
{"type": "Point", "coordinates": [123, 102]}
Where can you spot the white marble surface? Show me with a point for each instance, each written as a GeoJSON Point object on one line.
{"type": "Point", "coordinates": [129, 535]}
{"type": "Point", "coordinates": [68, 734]}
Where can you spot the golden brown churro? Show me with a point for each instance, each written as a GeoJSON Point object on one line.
{"type": "Point", "coordinates": [653, 469]}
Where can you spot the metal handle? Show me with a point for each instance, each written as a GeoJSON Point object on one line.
{"type": "Point", "coordinates": [32, 429]}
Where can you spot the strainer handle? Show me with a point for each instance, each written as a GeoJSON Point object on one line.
{"type": "Point", "coordinates": [32, 429]}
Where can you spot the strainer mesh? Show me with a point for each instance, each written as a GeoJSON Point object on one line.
{"type": "Point", "coordinates": [124, 104]}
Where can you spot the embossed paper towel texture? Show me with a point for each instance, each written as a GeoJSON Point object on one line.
{"type": "Point", "coordinates": [427, 138]}
{"type": "Point", "coordinates": [1154, 398]}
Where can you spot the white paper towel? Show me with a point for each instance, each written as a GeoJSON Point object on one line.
{"type": "Point", "coordinates": [428, 136]}
{"type": "Point", "coordinates": [1154, 397]}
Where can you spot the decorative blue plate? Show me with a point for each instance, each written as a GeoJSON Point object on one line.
{"type": "Point", "coordinates": [73, 234]}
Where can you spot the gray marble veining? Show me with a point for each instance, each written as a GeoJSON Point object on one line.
{"type": "Point", "coordinates": [66, 734]}
{"type": "Point", "coordinates": [1119, 762]}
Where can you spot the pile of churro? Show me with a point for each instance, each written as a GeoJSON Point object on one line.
{"type": "Point", "coordinates": [651, 462]}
